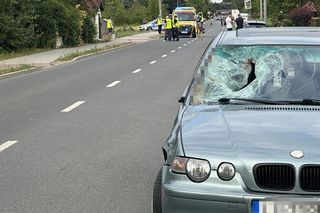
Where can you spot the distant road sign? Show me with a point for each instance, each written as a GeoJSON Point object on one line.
{"type": "Point", "coordinates": [247, 4]}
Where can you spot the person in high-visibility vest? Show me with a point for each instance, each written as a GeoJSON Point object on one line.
{"type": "Point", "coordinates": [168, 28]}
{"type": "Point", "coordinates": [159, 23]}
{"type": "Point", "coordinates": [109, 25]}
{"type": "Point", "coordinates": [175, 28]}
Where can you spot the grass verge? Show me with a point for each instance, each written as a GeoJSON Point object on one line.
{"type": "Point", "coordinates": [72, 55]}
{"type": "Point", "coordinates": [7, 55]}
{"type": "Point", "coordinates": [15, 69]}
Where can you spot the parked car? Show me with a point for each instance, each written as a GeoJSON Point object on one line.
{"type": "Point", "coordinates": [218, 18]}
{"type": "Point", "coordinates": [150, 26]}
{"type": "Point", "coordinates": [254, 24]}
{"type": "Point", "coordinates": [247, 135]}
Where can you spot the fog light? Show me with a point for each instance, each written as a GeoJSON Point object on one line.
{"type": "Point", "coordinates": [226, 171]}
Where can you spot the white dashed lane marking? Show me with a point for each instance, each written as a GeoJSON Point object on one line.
{"type": "Point", "coordinates": [189, 42]}
{"type": "Point", "coordinates": [73, 106]}
{"type": "Point", "coordinates": [137, 70]}
{"type": "Point", "coordinates": [172, 51]}
{"type": "Point", "coordinates": [164, 56]}
{"type": "Point", "coordinates": [6, 145]}
{"type": "Point", "coordinates": [184, 44]}
{"type": "Point", "coordinates": [179, 47]}
{"type": "Point", "coordinates": [152, 62]}
{"type": "Point", "coordinates": [113, 84]}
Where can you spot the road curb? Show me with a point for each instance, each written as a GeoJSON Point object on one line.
{"type": "Point", "coordinates": [54, 63]}
{"type": "Point", "coordinates": [128, 44]}
{"type": "Point", "coordinates": [33, 69]}
{"type": "Point", "coordinates": [38, 68]}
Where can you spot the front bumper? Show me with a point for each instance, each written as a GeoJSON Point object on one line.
{"type": "Point", "coordinates": [180, 195]}
{"type": "Point", "coordinates": [185, 30]}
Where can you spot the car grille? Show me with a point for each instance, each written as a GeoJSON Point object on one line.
{"type": "Point", "coordinates": [310, 178]}
{"type": "Point", "coordinates": [275, 176]}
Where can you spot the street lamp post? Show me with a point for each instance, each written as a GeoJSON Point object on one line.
{"type": "Point", "coordinates": [265, 10]}
{"type": "Point", "coordinates": [160, 8]}
{"type": "Point", "coordinates": [261, 10]}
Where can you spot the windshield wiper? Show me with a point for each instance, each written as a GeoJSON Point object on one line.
{"type": "Point", "coordinates": [260, 101]}
{"type": "Point", "coordinates": [270, 102]}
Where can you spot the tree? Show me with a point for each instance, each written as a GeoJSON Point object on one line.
{"type": "Point", "coordinates": [301, 16]}
{"type": "Point", "coordinates": [88, 30]}
{"type": "Point", "coordinates": [17, 28]}
{"type": "Point", "coordinates": [57, 16]}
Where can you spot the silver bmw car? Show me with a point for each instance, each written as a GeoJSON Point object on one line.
{"type": "Point", "coordinates": [247, 135]}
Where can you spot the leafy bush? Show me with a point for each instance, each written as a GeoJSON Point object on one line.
{"type": "Point", "coordinates": [88, 30]}
{"type": "Point", "coordinates": [17, 25]}
{"type": "Point", "coordinates": [70, 27]}
{"type": "Point", "coordinates": [55, 16]}
{"type": "Point", "coordinates": [300, 16]}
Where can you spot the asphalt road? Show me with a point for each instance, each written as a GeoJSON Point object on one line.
{"type": "Point", "coordinates": [102, 154]}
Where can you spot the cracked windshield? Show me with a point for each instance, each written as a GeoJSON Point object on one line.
{"type": "Point", "coordinates": [267, 72]}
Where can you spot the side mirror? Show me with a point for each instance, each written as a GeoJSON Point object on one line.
{"type": "Point", "coordinates": [182, 99]}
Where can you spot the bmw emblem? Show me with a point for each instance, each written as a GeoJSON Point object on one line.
{"type": "Point", "coordinates": [297, 154]}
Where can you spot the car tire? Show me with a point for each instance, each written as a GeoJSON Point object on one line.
{"type": "Point", "coordinates": [149, 29]}
{"type": "Point", "coordinates": [156, 202]}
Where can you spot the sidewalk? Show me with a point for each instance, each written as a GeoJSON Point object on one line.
{"type": "Point", "coordinates": [47, 58]}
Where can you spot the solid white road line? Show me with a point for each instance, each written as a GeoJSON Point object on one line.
{"type": "Point", "coordinates": [152, 62]}
{"type": "Point", "coordinates": [113, 84]}
{"type": "Point", "coordinates": [172, 51]}
{"type": "Point", "coordinates": [164, 56]}
{"type": "Point", "coordinates": [6, 145]}
{"type": "Point", "coordinates": [137, 70]}
{"type": "Point", "coordinates": [151, 205]}
{"type": "Point", "coordinates": [73, 106]}
{"type": "Point", "coordinates": [179, 47]}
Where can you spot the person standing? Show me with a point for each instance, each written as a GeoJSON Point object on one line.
{"type": "Point", "coordinates": [175, 28]}
{"type": "Point", "coordinates": [109, 25]}
{"type": "Point", "coordinates": [168, 28]}
{"type": "Point", "coordinates": [239, 21]}
{"type": "Point", "coordinates": [229, 23]}
{"type": "Point", "coordinates": [159, 23]}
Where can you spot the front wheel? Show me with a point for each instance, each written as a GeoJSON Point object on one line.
{"type": "Point", "coordinates": [157, 205]}
{"type": "Point", "coordinates": [149, 29]}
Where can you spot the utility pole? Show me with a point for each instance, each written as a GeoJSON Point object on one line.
{"type": "Point", "coordinates": [265, 10]}
{"type": "Point", "coordinates": [261, 10]}
{"type": "Point", "coordinates": [160, 10]}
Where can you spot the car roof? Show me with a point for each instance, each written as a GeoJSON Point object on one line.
{"type": "Point", "coordinates": [255, 22]}
{"type": "Point", "coordinates": [271, 36]}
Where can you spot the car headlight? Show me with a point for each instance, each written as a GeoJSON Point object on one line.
{"type": "Point", "coordinates": [198, 170]}
{"type": "Point", "coordinates": [226, 171]}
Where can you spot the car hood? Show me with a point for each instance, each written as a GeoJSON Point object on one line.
{"type": "Point", "coordinates": [240, 134]}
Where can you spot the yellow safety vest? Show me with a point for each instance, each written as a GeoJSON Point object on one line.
{"type": "Point", "coordinates": [175, 25]}
{"type": "Point", "coordinates": [109, 23]}
{"type": "Point", "coordinates": [159, 21]}
{"type": "Point", "coordinates": [168, 24]}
